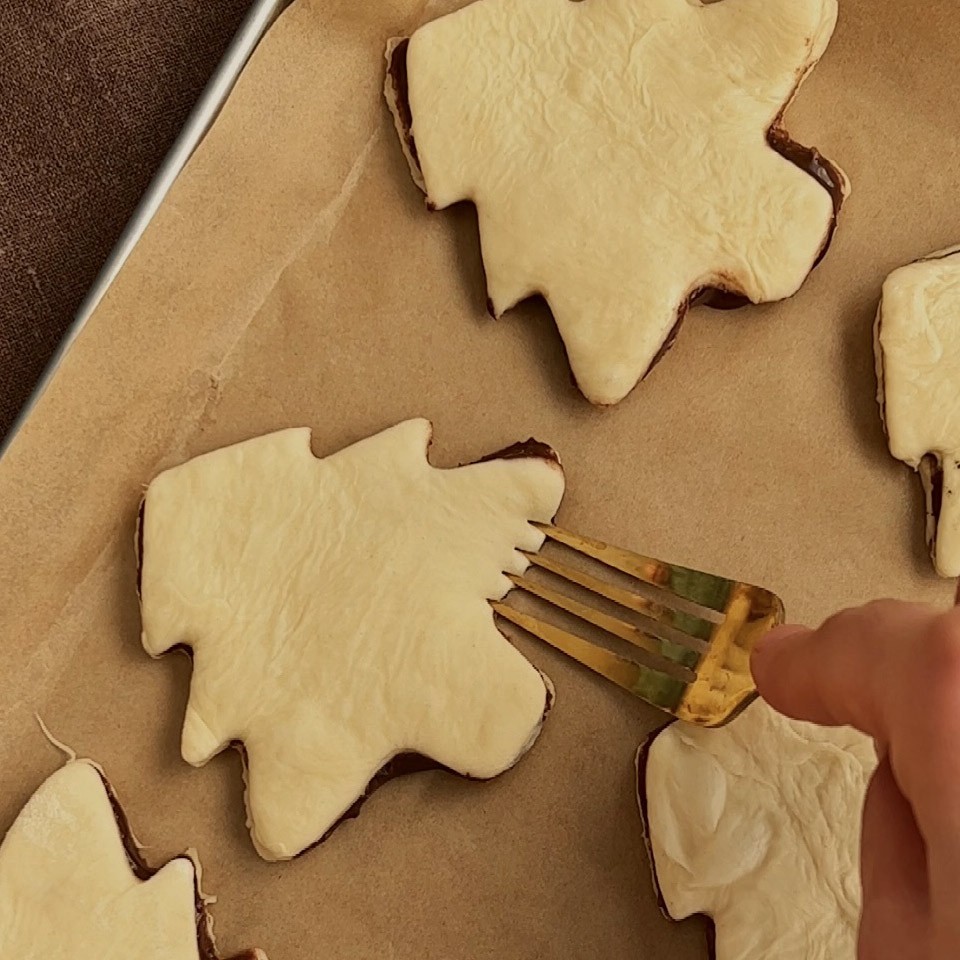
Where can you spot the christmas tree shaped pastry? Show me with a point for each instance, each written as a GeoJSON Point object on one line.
{"type": "Point", "coordinates": [338, 615]}
{"type": "Point", "coordinates": [757, 825]}
{"type": "Point", "coordinates": [624, 156]}
{"type": "Point", "coordinates": [917, 342]}
{"type": "Point", "coordinates": [73, 884]}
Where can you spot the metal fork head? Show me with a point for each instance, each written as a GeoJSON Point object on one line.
{"type": "Point", "coordinates": [692, 633]}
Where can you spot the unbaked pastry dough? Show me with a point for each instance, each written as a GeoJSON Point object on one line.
{"type": "Point", "coordinates": [67, 890]}
{"type": "Point", "coordinates": [618, 155]}
{"type": "Point", "coordinates": [337, 612]}
{"type": "Point", "coordinates": [757, 824]}
{"type": "Point", "coordinates": [917, 340]}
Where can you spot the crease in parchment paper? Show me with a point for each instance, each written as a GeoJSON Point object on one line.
{"type": "Point", "coordinates": [320, 231]}
{"type": "Point", "coordinates": [50, 657]}
{"type": "Point", "coordinates": [53, 654]}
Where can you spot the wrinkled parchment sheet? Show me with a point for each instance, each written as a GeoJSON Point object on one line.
{"type": "Point", "coordinates": [293, 276]}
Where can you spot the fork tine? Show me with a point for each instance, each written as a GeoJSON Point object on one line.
{"type": "Point", "coordinates": [618, 628]}
{"type": "Point", "coordinates": [664, 689]}
{"type": "Point", "coordinates": [702, 590]}
{"type": "Point", "coordinates": [685, 629]}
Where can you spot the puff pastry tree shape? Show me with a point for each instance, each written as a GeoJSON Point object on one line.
{"type": "Point", "coordinates": [338, 614]}
{"type": "Point", "coordinates": [67, 889]}
{"type": "Point", "coordinates": [757, 824]}
{"type": "Point", "coordinates": [623, 155]}
{"type": "Point", "coordinates": [917, 340]}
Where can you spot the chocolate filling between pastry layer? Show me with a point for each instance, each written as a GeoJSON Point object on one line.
{"type": "Point", "coordinates": [931, 470]}
{"type": "Point", "coordinates": [643, 759]}
{"type": "Point", "coordinates": [397, 71]}
{"type": "Point", "coordinates": [400, 765]}
{"type": "Point", "coordinates": [143, 871]}
{"type": "Point", "coordinates": [530, 449]}
{"type": "Point", "coordinates": [881, 374]}
{"type": "Point", "coordinates": [807, 159]}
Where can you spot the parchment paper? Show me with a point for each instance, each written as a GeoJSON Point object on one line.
{"type": "Point", "coordinates": [294, 276]}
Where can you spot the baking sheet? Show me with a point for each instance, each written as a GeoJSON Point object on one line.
{"type": "Point", "coordinates": [261, 15]}
{"type": "Point", "coordinates": [293, 276]}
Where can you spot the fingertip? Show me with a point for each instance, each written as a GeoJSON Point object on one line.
{"type": "Point", "coordinates": [845, 671]}
{"type": "Point", "coordinates": [770, 664]}
{"type": "Point", "coordinates": [773, 640]}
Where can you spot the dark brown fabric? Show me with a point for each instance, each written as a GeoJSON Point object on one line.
{"type": "Point", "coordinates": [92, 94]}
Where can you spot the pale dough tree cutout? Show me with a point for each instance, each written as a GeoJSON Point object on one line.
{"type": "Point", "coordinates": [338, 615]}
{"type": "Point", "coordinates": [73, 885]}
{"type": "Point", "coordinates": [757, 825]}
{"type": "Point", "coordinates": [624, 156]}
{"type": "Point", "coordinates": [917, 342]}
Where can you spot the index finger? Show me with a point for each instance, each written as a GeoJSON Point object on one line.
{"type": "Point", "coordinates": [836, 675]}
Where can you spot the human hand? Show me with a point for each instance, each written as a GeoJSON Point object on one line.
{"type": "Point", "coordinates": [892, 670]}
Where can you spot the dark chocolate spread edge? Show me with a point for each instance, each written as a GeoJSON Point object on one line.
{"type": "Point", "coordinates": [643, 758]}
{"type": "Point", "coordinates": [807, 159]}
{"type": "Point", "coordinates": [397, 72]}
{"type": "Point", "coordinates": [141, 513]}
{"type": "Point", "coordinates": [880, 361]}
{"type": "Point", "coordinates": [401, 765]}
{"type": "Point", "coordinates": [143, 871]}
{"type": "Point", "coordinates": [530, 449]}
{"type": "Point", "coordinates": [931, 476]}
{"type": "Point", "coordinates": [811, 162]}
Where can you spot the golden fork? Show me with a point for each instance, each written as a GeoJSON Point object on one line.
{"type": "Point", "coordinates": [692, 632]}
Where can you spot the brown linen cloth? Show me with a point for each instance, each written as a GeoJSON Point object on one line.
{"type": "Point", "coordinates": [92, 95]}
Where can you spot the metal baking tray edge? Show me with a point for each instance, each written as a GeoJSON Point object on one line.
{"type": "Point", "coordinates": [261, 16]}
